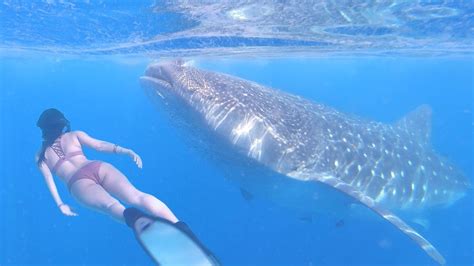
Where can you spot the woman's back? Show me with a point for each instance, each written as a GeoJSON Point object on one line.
{"type": "Point", "coordinates": [58, 156]}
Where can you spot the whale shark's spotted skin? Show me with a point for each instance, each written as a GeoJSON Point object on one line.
{"type": "Point", "coordinates": [384, 166]}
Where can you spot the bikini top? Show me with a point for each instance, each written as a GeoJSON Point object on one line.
{"type": "Point", "coordinates": [57, 148]}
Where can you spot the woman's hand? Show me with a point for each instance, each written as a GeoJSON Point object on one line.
{"type": "Point", "coordinates": [136, 158]}
{"type": "Point", "coordinates": [66, 210]}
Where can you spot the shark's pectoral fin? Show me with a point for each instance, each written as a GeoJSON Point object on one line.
{"type": "Point", "coordinates": [387, 215]}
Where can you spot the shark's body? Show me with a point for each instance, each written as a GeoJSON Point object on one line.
{"type": "Point", "coordinates": [312, 149]}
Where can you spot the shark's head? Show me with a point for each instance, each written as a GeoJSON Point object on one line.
{"type": "Point", "coordinates": [243, 113]}
{"type": "Point", "coordinates": [175, 82]}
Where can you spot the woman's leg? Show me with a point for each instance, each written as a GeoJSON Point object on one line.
{"type": "Point", "coordinates": [96, 197]}
{"type": "Point", "coordinates": [118, 185]}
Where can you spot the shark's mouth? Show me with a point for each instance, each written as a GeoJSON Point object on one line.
{"type": "Point", "coordinates": [156, 81]}
{"type": "Point", "coordinates": [155, 86]}
{"type": "Point", "coordinates": [165, 78]}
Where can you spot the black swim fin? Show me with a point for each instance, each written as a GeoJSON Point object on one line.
{"type": "Point", "coordinates": [167, 243]}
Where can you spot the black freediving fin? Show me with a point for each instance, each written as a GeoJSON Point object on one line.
{"type": "Point", "coordinates": [167, 243]}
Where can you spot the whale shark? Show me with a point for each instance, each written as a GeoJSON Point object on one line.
{"type": "Point", "coordinates": [305, 154]}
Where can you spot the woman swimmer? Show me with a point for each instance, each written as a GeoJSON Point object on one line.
{"type": "Point", "coordinates": [95, 184]}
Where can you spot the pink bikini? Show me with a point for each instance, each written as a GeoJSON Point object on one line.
{"type": "Point", "coordinates": [88, 171]}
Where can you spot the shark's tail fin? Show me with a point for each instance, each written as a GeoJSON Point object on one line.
{"type": "Point", "coordinates": [417, 123]}
{"type": "Point", "coordinates": [387, 215]}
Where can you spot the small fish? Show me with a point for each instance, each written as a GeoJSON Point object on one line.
{"type": "Point", "coordinates": [340, 223]}
{"type": "Point", "coordinates": [246, 195]}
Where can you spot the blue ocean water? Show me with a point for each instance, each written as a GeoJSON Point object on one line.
{"type": "Point", "coordinates": [99, 92]}
{"type": "Point", "coordinates": [103, 97]}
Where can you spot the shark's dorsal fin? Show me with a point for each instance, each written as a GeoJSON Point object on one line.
{"type": "Point", "coordinates": [387, 215]}
{"type": "Point", "coordinates": [417, 123]}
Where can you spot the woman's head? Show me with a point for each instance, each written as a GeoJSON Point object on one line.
{"type": "Point", "coordinates": [53, 124]}
{"type": "Point", "coordinates": [52, 120]}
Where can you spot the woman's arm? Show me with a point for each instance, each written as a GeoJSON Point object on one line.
{"type": "Point", "coordinates": [48, 178]}
{"type": "Point", "coordinates": [104, 146]}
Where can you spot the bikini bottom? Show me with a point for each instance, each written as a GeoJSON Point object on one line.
{"type": "Point", "coordinates": [88, 171]}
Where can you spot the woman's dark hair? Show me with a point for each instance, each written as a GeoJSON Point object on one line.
{"type": "Point", "coordinates": [53, 124]}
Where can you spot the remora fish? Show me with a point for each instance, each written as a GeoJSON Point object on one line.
{"type": "Point", "coordinates": [312, 150]}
